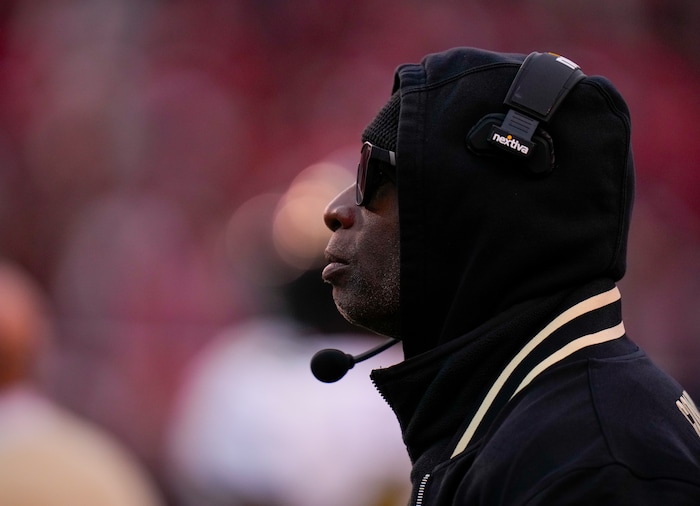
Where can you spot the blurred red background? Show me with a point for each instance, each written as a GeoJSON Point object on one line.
{"type": "Point", "coordinates": [132, 132]}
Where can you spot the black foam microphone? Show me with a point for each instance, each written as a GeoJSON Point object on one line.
{"type": "Point", "coordinates": [330, 365]}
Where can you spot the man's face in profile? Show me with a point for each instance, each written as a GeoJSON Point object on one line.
{"type": "Point", "coordinates": [363, 257]}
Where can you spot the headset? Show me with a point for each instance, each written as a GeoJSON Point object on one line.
{"type": "Point", "coordinates": [539, 87]}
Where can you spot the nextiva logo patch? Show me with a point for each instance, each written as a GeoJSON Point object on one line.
{"type": "Point", "coordinates": [509, 142]}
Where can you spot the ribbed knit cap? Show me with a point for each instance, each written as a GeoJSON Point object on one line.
{"type": "Point", "coordinates": [384, 128]}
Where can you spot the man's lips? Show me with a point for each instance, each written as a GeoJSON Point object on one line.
{"type": "Point", "coordinates": [335, 264]}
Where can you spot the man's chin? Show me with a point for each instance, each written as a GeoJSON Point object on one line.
{"type": "Point", "coordinates": [379, 326]}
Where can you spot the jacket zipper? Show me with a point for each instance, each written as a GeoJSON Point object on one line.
{"type": "Point", "coordinates": [421, 490]}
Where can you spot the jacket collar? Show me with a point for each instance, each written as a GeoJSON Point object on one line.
{"type": "Point", "coordinates": [445, 398]}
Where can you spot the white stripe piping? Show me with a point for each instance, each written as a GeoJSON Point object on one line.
{"type": "Point", "coordinates": [583, 307]}
{"type": "Point", "coordinates": [582, 342]}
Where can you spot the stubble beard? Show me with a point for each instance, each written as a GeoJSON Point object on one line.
{"type": "Point", "coordinates": [372, 305]}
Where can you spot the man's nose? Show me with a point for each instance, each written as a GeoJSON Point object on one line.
{"type": "Point", "coordinates": [340, 212]}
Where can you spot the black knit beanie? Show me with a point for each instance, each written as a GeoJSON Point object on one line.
{"type": "Point", "coordinates": [383, 129]}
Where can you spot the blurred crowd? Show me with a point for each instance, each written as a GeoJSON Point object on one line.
{"type": "Point", "coordinates": [163, 169]}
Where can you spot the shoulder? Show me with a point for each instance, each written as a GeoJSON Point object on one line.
{"type": "Point", "coordinates": [619, 422]}
{"type": "Point", "coordinates": [649, 422]}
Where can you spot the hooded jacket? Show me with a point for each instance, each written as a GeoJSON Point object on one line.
{"type": "Point", "coordinates": [519, 385]}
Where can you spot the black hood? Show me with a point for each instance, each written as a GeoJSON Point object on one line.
{"type": "Point", "coordinates": [480, 234]}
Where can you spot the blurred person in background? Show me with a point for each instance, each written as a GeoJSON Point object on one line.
{"type": "Point", "coordinates": [251, 425]}
{"type": "Point", "coordinates": [48, 455]}
{"type": "Point", "coordinates": [486, 232]}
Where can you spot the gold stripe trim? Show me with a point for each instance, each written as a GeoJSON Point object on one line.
{"type": "Point", "coordinates": [583, 307]}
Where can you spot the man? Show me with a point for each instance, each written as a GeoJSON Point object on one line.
{"type": "Point", "coordinates": [48, 455]}
{"type": "Point", "coordinates": [486, 231]}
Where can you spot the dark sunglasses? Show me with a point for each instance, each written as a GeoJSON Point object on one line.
{"type": "Point", "coordinates": [369, 175]}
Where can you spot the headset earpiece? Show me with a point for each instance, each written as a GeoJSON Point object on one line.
{"type": "Point", "coordinates": [539, 87]}
{"type": "Point", "coordinates": [540, 161]}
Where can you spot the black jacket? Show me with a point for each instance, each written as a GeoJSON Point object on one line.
{"type": "Point", "coordinates": [490, 255]}
{"type": "Point", "coordinates": [576, 414]}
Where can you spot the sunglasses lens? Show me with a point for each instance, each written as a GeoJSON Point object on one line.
{"type": "Point", "coordinates": [361, 183]}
